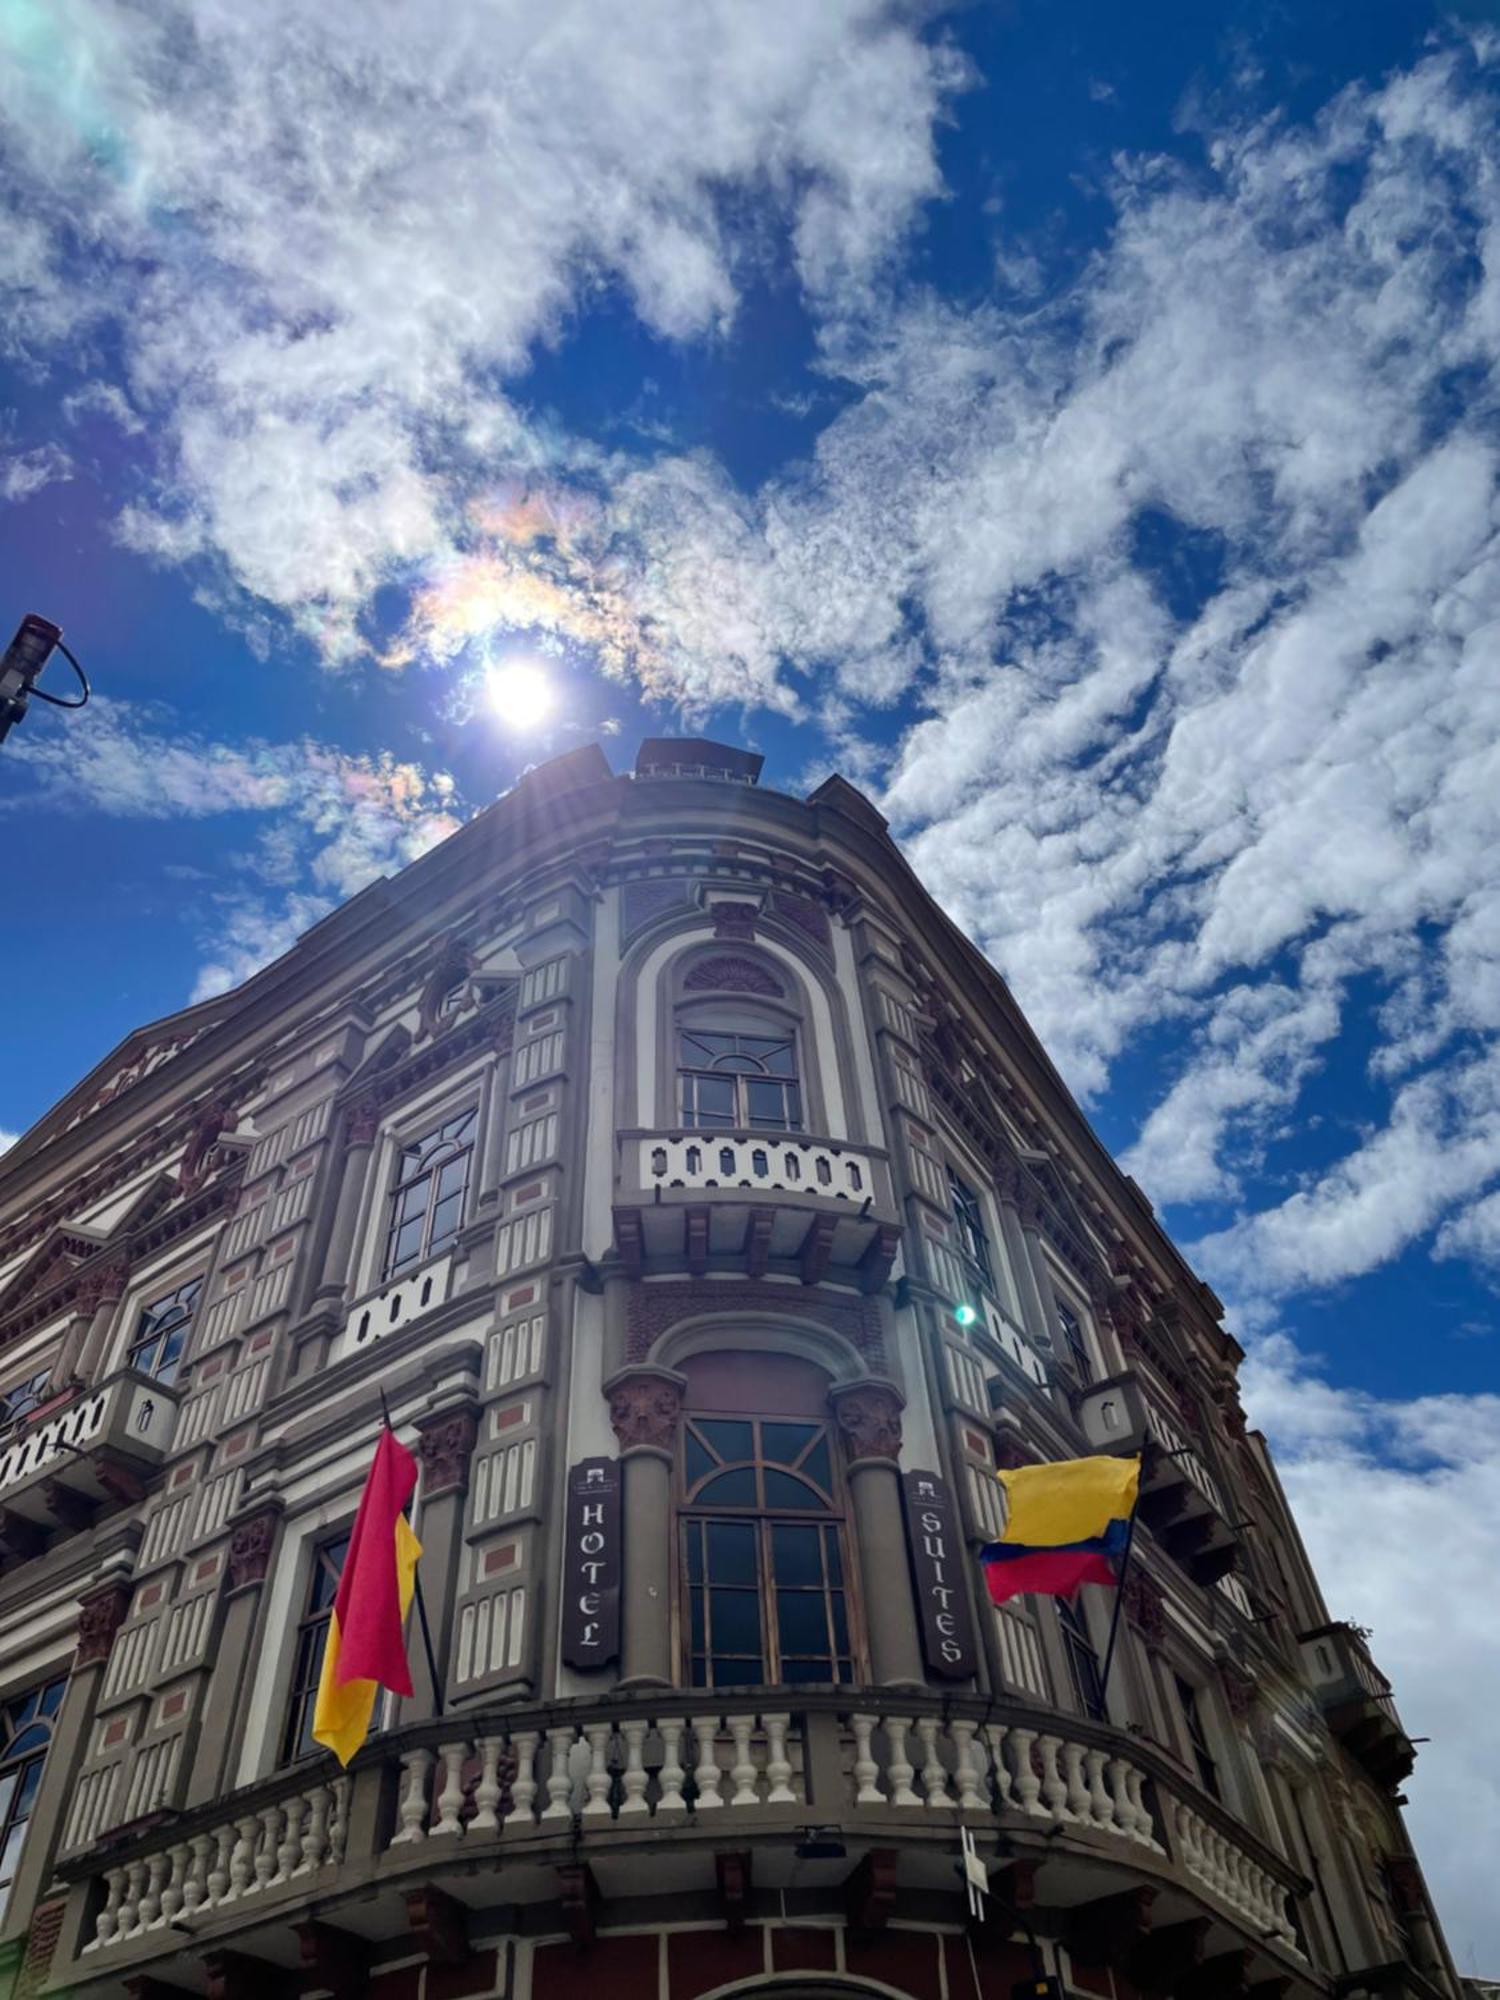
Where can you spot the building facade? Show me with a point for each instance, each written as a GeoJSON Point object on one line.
{"type": "Point", "coordinates": [712, 1225]}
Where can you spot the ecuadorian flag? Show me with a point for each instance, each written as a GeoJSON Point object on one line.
{"type": "Point", "coordinates": [366, 1635]}
{"type": "Point", "coordinates": [1065, 1524]}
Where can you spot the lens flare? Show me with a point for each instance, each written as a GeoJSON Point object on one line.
{"type": "Point", "coordinates": [519, 693]}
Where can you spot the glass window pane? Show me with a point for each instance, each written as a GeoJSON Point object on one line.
{"type": "Point", "coordinates": [36, 1737]}
{"type": "Point", "coordinates": [715, 1100]}
{"type": "Point", "coordinates": [835, 1559]}
{"type": "Point", "coordinates": [802, 1621]}
{"type": "Point", "coordinates": [816, 1467]}
{"type": "Point", "coordinates": [700, 1672]}
{"type": "Point", "coordinates": [737, 1671]}
{"type": "Point", "coordinates": [10, 1854]}
{"type": "Point", "coordinates": [411, 1204]}
{"type": "Point", "coordinates": [452, 1177]}
{"type": "Point", "coordinates": [52, 1696]}
{"type": "Point", "coordinates": [799, 1673]}
{"type": "Point", "coordinates": [447, 1220]}
{"type": "Point", "coordinates": [731, 1440]}
{"type": "Point", "coordinates": [731, 1552]}
{"type": "Point", "coordinates": [784, 1489]}
{"type": "Point", "coordinates": [7, 1786]}
{"type": "Point", "coordinates": [25, 1797]}
{"type": "Point", "coordinates": [695, 1618]}
{"type": "Point", "coordinates": [693, 1530]}
{"type": "Point", "coordinates": [735, 1616]}
{"type": "Point", "coordinates": [781, 1059]}
{"type": "Point", "coordinates": [785, 1443]}
{"type": "Point", "coordinates": [738, 1065]}
{"type": "Point", "coordinates": [795, 1555]}
{"type": "Point", "coordinates": [765, 1103]}
{"type": "Point", "coordinates": [730, 1489]}
{"type": "Point", "coordinates": [840, 1622]}
{"type": "Point", "coordinates": [793, 1108]}
{"type": "Point", "coordinates": [408, 1244]}
{"type": "Point", "coordinates": [696, 1459]}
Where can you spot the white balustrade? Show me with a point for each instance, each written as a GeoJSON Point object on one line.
{"type": "Point", "coordinates": [968, 1768]}
{"type": "Point", "coordinates": [600, 1772]}
{"type": "Point", "coordinates": [1228, 1872]}
{"type": "Point", "coordinates": [238, 1861]}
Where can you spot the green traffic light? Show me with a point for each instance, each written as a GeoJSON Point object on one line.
{"type": "Point", "coordinates": [965, 1315]}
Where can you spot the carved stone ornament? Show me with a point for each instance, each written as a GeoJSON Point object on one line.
{"type": "Point", "coordinates": [250, 1548]}
{"type": "Point", "coordinates": [105, 1284]}
{"type": "Point", "coordinates": [733, 975]}
{"type": "Point", "coordinates": [1146, 1606]}
{"type": "Point", "coordinates": [644, 1409]}
{"type": "Point", "coordinates": [362, 1123]}
{"type": "Point", "coordinates": [868, 1415]}
{"type": "Point", "coordinates": [99, 1619]}
{"type": "Point", "coordinates": [734, 920]}
{"type": "Point", "coordinates": [445, 1447]}
{"type": "Point", "coordinates": [1240, 1694]}
{"type": "Point", "coordinates": [206, 1134]}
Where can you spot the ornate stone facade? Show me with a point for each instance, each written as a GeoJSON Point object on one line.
{"type": "Point", "coordinates": [868, 1415]}
{"type": "Point", "coordinates": [644, 1409]}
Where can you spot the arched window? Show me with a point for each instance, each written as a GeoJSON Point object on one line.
{"type": "Point", "coordinates": [427, 1202]}
{"type": "Point", "coordinates": [162, 1330]}
{"type": "Point", "coordinates": [25, 1735]}
{"type": "Point", "coordinates": [765, 1587]}
{"type": "Point", "coordinates": [734, 1080]}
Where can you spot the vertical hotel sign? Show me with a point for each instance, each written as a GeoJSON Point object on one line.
{"type": "Point", "coordinates": [591, 1566]}
{"type": "Point", "coordinates": [935, 1544]}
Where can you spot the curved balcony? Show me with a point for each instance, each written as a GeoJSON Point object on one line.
{"type": "Point", "coordinates": [587, 1803]}
{"type": "Point", "coordinates": [755, 1199]}
{"type": "Point", "coordinates": [96, 1449]}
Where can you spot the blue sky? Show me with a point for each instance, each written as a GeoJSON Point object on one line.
{"type": "Point", "coordinates": [1077, 424]}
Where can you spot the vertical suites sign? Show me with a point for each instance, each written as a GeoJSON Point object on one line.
{"type": "Point", "coordinates": [591, 1565]}
{"type": "Point", "coordinates": [935, 1544]}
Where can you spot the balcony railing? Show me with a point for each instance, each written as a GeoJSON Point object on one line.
{"type": "Point", "coordinates": [583, 1775]}
{"type": "Point", "coordinates": [694, 1194]}
{"type": "Point", "coordinates": [94, 1448]}
{"type": "Point", "coordinates": [1356, 1698]}
{"type": "Point", "coordinates": [1181, 1500]}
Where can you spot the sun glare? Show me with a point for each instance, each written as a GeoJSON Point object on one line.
{"type": "Point", "coordinates": [519, 693]}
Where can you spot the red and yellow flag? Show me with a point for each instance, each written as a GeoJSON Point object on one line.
{"type": "Point", "coordinates": [366, 1635]}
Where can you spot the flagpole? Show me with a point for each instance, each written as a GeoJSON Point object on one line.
{"type": "Point", "coordinates": [1114, 1623]}
{"type": "Point", "coordinates": [432, 1672]}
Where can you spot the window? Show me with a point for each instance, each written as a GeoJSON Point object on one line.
{"type": "Point", "coordinates": [1083, 1661]}
{"type": "Point", "coordinates": [162, 1330]}
{"type": "Point", "coordinates": [1192, 1715]}
{"type": "Point", "coordinates": [21, 1398]}
{"type": "Point", "coordinates": [312, 1637]}
{"type": "Point", "coordinates": [973, 1244]}
{"type": "Point", "coordinates": [25, 1733]}
{"type": "Point", "coordinates": [427, 1202]}
{"type": "Point", "coordinates": [1073, 1340]}
{"type": "Point", "coordinates": [735, 1082]}
{"type": "Point", "coordinates": [762, 1550]}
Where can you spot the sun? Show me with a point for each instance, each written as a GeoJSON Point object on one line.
{"type": "Point", "coordinates": [519, 693]}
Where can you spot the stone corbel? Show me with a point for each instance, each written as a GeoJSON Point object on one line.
{"type": "Point", "coordinates": [250, 1548]}
{"type": "Point", "coordinates": [100, 1616]}
{"type": "Point", "coordinates": [868, 1416]}
{"type": "Point", "coordinates": [645, 1404]}
{"type": "Point", "coordinates": [445, 1446]}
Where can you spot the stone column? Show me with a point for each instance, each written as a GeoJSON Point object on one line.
{"type": "Point", "coordinates": [868, 1416]}
{"type": "Point", "coordinates": [644, 1406]}
{"type": "Point", "coordinates": [251, 1547]}
{"type": "Point", "coordinates": [445, 1446]}
{"type": "Point", "coordinates": [99, 1294]}
{"type": "Point", "coordinates": [360, 1126]}
{"type": "Point", "coordinates": [100, 1615]}
{"type": "Point", "coordinates": [1013, 1199]}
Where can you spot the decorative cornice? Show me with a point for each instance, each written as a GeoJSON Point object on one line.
{"type": "Point", "coordinates": [727, 974]}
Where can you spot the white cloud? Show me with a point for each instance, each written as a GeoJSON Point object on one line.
{"type": "Point", "coordinates": [1399, 1504]}
{"type": "Point", "coordinates": [328, 237]}
{"type": "Point", "coordinates": [23, 473]}
{"type": "Point", "coordinates": [7, 1140]}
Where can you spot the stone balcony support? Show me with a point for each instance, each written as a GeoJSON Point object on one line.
{"type": "Point", "coordinates": [645, 1404]}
